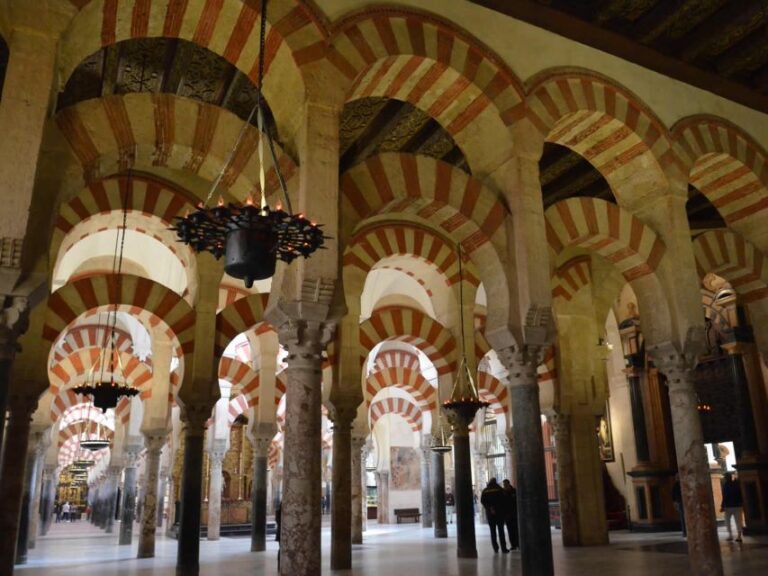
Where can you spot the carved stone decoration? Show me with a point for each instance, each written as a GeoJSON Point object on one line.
{"type": "Point", "coordinates": [14, 321]}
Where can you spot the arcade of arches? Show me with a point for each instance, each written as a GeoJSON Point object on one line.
{"type": "Point", "coordinates": [613, 226]}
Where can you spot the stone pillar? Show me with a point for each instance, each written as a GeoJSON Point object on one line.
{"type": "Point", "coordinates": [426, 484]}
{"type": "Point", "coordinates": [215, 461]}
{"type": "Point", "coordinates": [30, 474]}
{"type": "Point", "coordinates": [438, 494]}
{"type": "Point", "coordinates": [12, 478]}
{"type": "Point", "coordinates": [259, 494]}
{"type": "Point", "coordinates": [47, 498]}
{"type": "Point", "coordinates": [692, 465]}
{"type": "Point", "coordinates": [128, 511]}
{"type": "Point", "coordinates": [509, 454]}
{"type": "Point", "coordinates": [35, 505]}
{"type": "Point", "coordinates": [341, 482]}
{"type": "Point", "coordinates": [382, 488]}
{"type": "Point", "coordinates": [162, 487]}
{"type": "Point", "coordinates": [359, 506]}
{"type": "Point", "coordinates": [638, 416]}
{"type": "Point", "coordinates": [566, 479]}
{"type": "Point", "coordinates": [154, 442]}
{"type": "Point", "coordinates": [113, 481]}
{"type": "Point", "coordinates": [461, 416]}
{"type": "Point", "coordinates": [188, 556]}
{"type": "Point", "coordinates": [532, 500]}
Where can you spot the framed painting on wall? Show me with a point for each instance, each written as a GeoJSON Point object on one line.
{"type": "Point", "coordinates": [605, 435]}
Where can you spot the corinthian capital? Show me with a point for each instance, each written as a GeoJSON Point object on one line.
{"type": "Point", "coordinates": [14, 321]}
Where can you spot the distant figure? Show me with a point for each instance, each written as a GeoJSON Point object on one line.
{"type": "Point", "coordinates": [65, 511]}
{"type": "Point", "coordinates": [450, 506]}
{"type": "Point", "coordinates": [57, 511]}
{"type": "Point", "coordinates": [731, 505]}
{"type": "Point", "coordinates": [493, 499]}
{"type": "Point", "coordinates": [677, 502]}
{"type": "Point", "coordinates": [510, 514]}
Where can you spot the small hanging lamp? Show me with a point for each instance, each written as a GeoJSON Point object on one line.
{"type": "Point", "coordinates": [441, 442]}
{"type": "Point", "coordinates": [251, 237]}
{"type": "Point", "coordinates": [95, 442]}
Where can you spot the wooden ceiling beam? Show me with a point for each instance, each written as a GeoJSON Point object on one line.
{"type": "Point", "coordinates": [723, 30]}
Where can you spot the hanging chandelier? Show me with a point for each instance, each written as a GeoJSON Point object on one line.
{"type": "Point", "coordinates": [100, 383]}
{"type": "Point", "coordinates": [99, 441]}
{"type": "Point", "coordinates": [441, 442]}
{"type": "Point", "coordinates": [251, 237]}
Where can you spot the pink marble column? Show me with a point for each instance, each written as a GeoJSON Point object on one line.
{"type": "Point", "coordinates": [216, 481]}
{"type": "Point", "coordinates": [154, 442]}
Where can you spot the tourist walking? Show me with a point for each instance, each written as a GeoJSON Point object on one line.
{"type": "Point", "coordinates": [65, 511]}
{"type": "Point", "coordinates": [731, 505]}
{"type": "Point", "coordinates": [510, 514]}
{"type": "Point", "coordinates": [493, 500]}
{"type": "Point", "coordinates": [450, 506]}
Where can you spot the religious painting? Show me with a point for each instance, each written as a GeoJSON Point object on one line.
{"type": "Point", "coordinates": [605, 435]}
{"type": "Point", "coordinates": [405, 466]}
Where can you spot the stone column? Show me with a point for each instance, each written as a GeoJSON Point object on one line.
{"type": "Point", "coordinates": [532, 500]}
{"type": "Point", "coordinates": [215, 461]}
{"type": "Point", "coordinates": [438, 494]}
{"type": "Point", "coordinates": [382, 488]}
{"type": "Point", "coordinates": [35, 505]}
{"type": "Point", "coordinates": [359, 508]}
{"type": "Point", "coordinates": [566, 476]}
{"type": "Point", "coordinates": [461, 416]}
{"type": "Point", "coordinates": [154, 442]}
{"type": "Point", "coordinates": [638, 416]}
{"type": "Point", "coordinates": [509, 454]}
{"type": "Point", "coordinates": [128, 511]}
{"type": "Point", "coordinates": [12, 478]}
{"type": "Point", "coordinates": [341, 482]}
{"type": "Point", "coordinates": [113, 481]}
{"type": "Point", "coordinates": [161, 489]}
{"type": "Point", "coordinates": [47, 498]}
{"type": "Point", "coordinates": [692, 466]}
{"type": "Point", "coordinates": [426, 484]}
{"type": "Point", "coordinates": [259, 494]}
{"type": "Point", "coordinates": [301, 515]}
{"type": "Point", "coordinates": [188, 556]}
{"type": "Point", "coordinates": [30, 474]}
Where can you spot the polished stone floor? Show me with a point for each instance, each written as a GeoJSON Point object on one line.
{"type": "Point", "coordinates": [78, 549]}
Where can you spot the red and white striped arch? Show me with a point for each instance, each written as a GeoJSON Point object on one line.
{"type": "Point", "coordinates": [89, 336]}
{"type": "Point", "coordinates": [547, 371]}
{"type": "Point", "coordinates": [406, 379]}
{"type": "Point", "coordinates": [153, 304]}
{"type": "Point", "coordinates": [492, 390]}
{"type": "Point", "coordinates": [273, 456]}
{"type": "Point", "coordinates": [412, 327]}
{"type": "Point", "coordinates": [280, 388]}
{"type": "Point", "coordinates": [400, 406]}
{"type": "Point", "coordinates": [237, 406]}
{"type": "Point", "coordinates": [726, 165]}
{"type": "Point", "coordinates": [71, 451]}
{"type": "Point", "coordinates": [429, 62]}
{"type": "Point", "coordinates": [397, 359]}
{"type": "Point", "coordinates": [111, 134]}
{"type": "Point", "coordinates": [607, 125]}
{"type": "Point", "coordinates": [728, 255]}
{"type": "Point", "coordinates": [229, 28]}
{"type": "Point", "coordinates": [244, 380]}
{"type": "Point", "coordinates": [606, 229]}
{"type": "Point", "coordinates": [76, 429]}
{"type": "Point", "coordinates": [72, 370]}
{"type": "Point", "coordinates": [571, 277]}
{"type": "Point", "coordinates": [240, 316]}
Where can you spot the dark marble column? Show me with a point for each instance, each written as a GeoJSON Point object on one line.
{"type": "Point", "coordinates": [128, 510]}
{"type": "Point", "coordinates": [188, 556]}
{"type": "Point", "coordinates": [14, 321]}
{"type": "Point", "coordinates": [532, 498]}
{"type": "Point", "coordinates": [154, 442]}
{"type": "Point", "coordinates": [359, 505]}
{"type": "Point", "coordinates": [438, 495]}
{"type": "Point", "coordinates": [692, 464]}
{"type": "Point", "coordinates": [460, 418]}
{"type": "Point", "coordinates": [47, 498]}
{"type": "Point", "coordinates": [566, 480]}
{"type": "Point", "coordinates": [113, 481]}
{"type": "Point", "coordinates": [341, 500]}
{"type": "Point", "coordinates": [259, 494]}
{"type": "Point", "coordinates": [12, 476]}
{"type": "Point", "coordinates": [301, 515]}
{"type": "Point", "coordinates": [28, 507]}
{"type": "Point", "coordinates": [426, 484]}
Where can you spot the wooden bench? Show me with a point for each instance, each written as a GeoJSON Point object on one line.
{"type": "Point", "coordinates": [414, 513]}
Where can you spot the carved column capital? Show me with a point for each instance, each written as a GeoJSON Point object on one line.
{"type": "Point", "coordinates": [155, 440]}
{"type": "Point", "coordinates": [522, 363]}
{"type": "Point", "coordinates": [675, 365]}
{"type": "Point", "coordinates": [217, 452]}
{"type": "Point", "coordinates": [195, 417]}
{"type": "Point", "coordinates": [261, 446]}
{"type": "Point", "coordinates": [14, 321]}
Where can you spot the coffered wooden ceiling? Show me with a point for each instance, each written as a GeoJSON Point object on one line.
{"type": "Point", "coordinates": [718, 45]}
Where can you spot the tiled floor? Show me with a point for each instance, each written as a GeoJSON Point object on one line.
{"type": "Point", "coordinates": [81, 550]}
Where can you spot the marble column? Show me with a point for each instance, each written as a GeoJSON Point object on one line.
{"type": "Point", "coordinates": [30, 474]}
{"type": "Point", "coordinates": [47, 498]}
{"type": "Point", "coordinates": [509, 454]}
{"type": "Point", "coordinates": [566, 479]}
{"type": "Point", "coordinates": [154, 442]}
{"type": "Point", "coordinates": [259, 494]}
{"type": "Point", "coordinates": [128, 510]}
{"type": "Point", "coordinates": [35, 505]}
{"type": "Point", "coordinates": [341, 482]}
{"type": "Point", "coordinates": [426, 485]}
{"type": "Point", "coordinates": [638, 416]}
{"type": "Point", "coordinates": [695, 482]}
{"type": "Point", "coordinates": [532, 498]}
{"type": "Point", "coordinates": [12, 478]}
{"type": "Point", "coordinates": [438, 494]}
{"type": "Point", "coordinates": [113, 481]}
{"type": "Point", "coordinates": [301, 515]}
{"type": "Point", "coordinates": [461, 417]}
{"type": "Point", "coordinates": [188, 555]}
{"type": "Point", "coordinates": [359, 507]}
{"type": "Point", "coordinates": [382, 488]}
{"type": "Point", "coordinates": [216, 461]}
{"type": "Point", "coordinates": [161, 490]}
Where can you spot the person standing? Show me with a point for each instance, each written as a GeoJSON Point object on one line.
{"type": "Point", "coordinates": [65, 511]}
{"type": "Point", "coordinates": [493, 499]}
{"type": "Point", "coordinates": [677, 502]}
{"type": "Point", "coordinates": [450, 506]}
{"type": "Point", "coordinates": [731, 505]}
{"type": "Point", "coordinates": [510, 513]}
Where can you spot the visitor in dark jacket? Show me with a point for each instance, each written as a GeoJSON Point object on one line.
{"type": "Point", "coordinates": [731, 505]}
{"type": "Point", "coordinates": [510, 513]}
{"type": "Point", "coordinates": [494, 501]}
